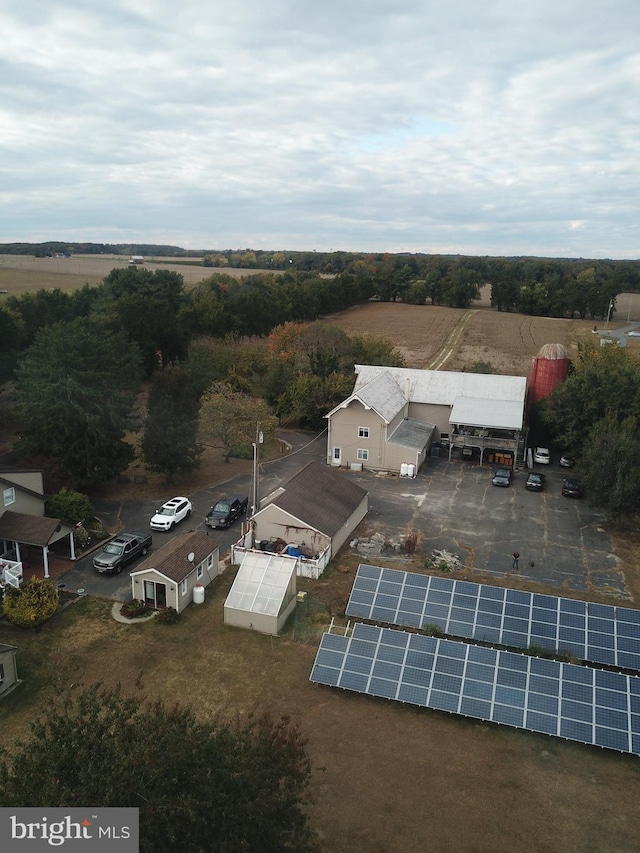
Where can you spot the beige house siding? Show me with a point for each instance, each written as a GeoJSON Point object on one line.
{"type": "Point", "coordinates": [24, 502]}
{"type": "Point", "coordinates": [274, 523]}
{"type": "Point", "coordinates": [349, 526]}
{"type": "Point", "coordinates": [396, 455]}
{"type": "Point", "coordinates": [432, 413]}
{"type": "Point", "coordinates": [8, 661]}
{"type": "Point", "coordinates": [27, 479]}
{"type": "Point", "coordinates": [179, 593]}
{"type": "Point", "coordinates": [345, 426]}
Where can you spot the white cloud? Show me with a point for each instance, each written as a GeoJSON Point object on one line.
{"type": "Point", "coordinates": [419, 125]}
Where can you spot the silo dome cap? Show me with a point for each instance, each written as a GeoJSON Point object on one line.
{"type": "Point", "coordinates": [553, 351]}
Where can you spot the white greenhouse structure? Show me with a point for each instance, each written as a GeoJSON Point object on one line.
{"type": "Point", "coordinates": [263, 594]}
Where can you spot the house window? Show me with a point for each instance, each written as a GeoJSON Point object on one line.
{"type": "Point", "coordinates": [363, 455]}
{"type": "Point", "coordinates": [199, 571]}
{"type": "Point", "coordinates": [183, 587]}
{"type": "Point", "coordinates": [1, 673]}
{"type": "Point", "coordinates": [9, 496]}
{"type": "Point", "coordinates": [363, 432]}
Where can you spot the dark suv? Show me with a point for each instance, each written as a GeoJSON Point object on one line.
{"type": "Point", "coordinates": [571, 488]}
{"type": "Point", "coordinates": [225, 512]}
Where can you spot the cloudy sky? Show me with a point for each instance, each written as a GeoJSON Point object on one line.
{"type": "Point", "coordinates": [503, 127]}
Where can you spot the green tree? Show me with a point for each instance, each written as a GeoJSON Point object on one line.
{"type": "Point", "coordinates": [461, 287]}
{"type": "Point", "coordinates": [308, 398]}
{"type": "Point", "coordinates": [603, 380]}
{"type": "Point", "coordinates": [170, 445]}
{"type": "Point", "coordinates": [148, 304]}
{"type": "Point", "coordinates": [228, 419]}
{"type": "Point", "coordinates": [75, 390]}
{"type": "Point", "coordinates": [609, 465]}
{"type": "Point", "coordinates": [69, 505]}
{"type": "Point", "coordinates": [370, 349]}
{"type": "Point", "coordinates": [200, 786]}
{"type": "Point", "coordinates": [32, 603]}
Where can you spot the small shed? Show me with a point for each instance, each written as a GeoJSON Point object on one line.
{"type": "Point", "coordinates": [263, 594]}
{"type": "Point", "coordinates": [316, 509]}
{"type": "Point", "coordinates": [8, 669]}
{"type": "Point", "coordinates": [167, 577]}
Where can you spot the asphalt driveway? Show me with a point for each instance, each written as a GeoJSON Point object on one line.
{"type": "Point", "coordinates": [452, 506]}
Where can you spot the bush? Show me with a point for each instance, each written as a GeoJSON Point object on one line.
{"type": "Point", "coordinates": [134, 609]}
{"type": "Point", "coordinates": [168, 616]}
{"type": "Point", "coordinates": [69, 506]}
{"type": "Point", "coordinates": [32, 603]}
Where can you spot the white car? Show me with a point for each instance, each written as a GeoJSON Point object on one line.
{"type": "Point", "coordinates": [170, 513]}
{"type": "Point", "coordinates": [542, 455]}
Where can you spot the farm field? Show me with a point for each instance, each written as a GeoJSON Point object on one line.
{"type": "Point", "coordinates": [388, 778]}
{"type": "Point", "coordinates": [24, 273]}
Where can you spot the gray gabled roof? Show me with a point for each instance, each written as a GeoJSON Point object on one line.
{"type": "Point", "coordinates": [320, 497]}
{"type": "Point", "coordinates": [443, 387]}
{"type": "Point", "coordinates": [382, 394]}
{"type": "Point", "coordinates": [412, 434]}
{"type": "Point", "coordinates": [172, 560]}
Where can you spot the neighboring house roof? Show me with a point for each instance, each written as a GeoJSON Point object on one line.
{"type": "Point", "coordinates": [172, 560]}
{"type": "Point", "coordinates": [412, 433]}
{"type": "Point", "coordinates": [382, 394]}
{"type": "Point", "coordinates": [5, 648]}
{"type": "Point", "coordinates": [320, 498]}
{"type": "Point", "coordinates": [32, 529]}
{"type": "Point", "coordinates": [443, 387]}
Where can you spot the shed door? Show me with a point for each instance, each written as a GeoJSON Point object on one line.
{"type": "Point", "coordinates": [155, 594]}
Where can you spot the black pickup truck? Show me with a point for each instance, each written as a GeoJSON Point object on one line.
{"type": "Point", "coordinates": [225, 512]}
{"type": "Point", "coordinates": [120, 551]}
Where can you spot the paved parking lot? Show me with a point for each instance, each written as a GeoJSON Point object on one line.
{"type": "Point", "coordinates": [454, 506]}
{"type": "Point", "coordinates": [451, 505]}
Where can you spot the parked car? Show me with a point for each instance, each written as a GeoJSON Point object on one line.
{"type": "Point", "coordinates": [542, 455]}
{"type": "Point", "coordinates": [572, 488]}
{"type": "Point", "coordinates": [226, 511]}
{"type": "Point", "coordinates": [567, 460]}
{"type": "Point", "coordinates": [120, 551]}
{"type": "Point", "coordinates": [535, 482]}
{"type": "Point", "coordinates": [502, 477]}
{"type": "Point", "coordinates": [170, 513]}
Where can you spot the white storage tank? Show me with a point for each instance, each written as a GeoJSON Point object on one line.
{"type": "Point", "coordinates": [198, 594]}
{"type": "Point", "coordinates": [411, 470]}
{"type": "Point", "coordinates": [404, 470]}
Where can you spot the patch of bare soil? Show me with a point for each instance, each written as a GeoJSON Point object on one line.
{"type": "Point", "coordinates": [434, 337]}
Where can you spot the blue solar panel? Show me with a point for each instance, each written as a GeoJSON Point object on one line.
{"type": "Point", "coordinates": [599, 633]}
{"type": "Point", "coordinates": [594, 707]}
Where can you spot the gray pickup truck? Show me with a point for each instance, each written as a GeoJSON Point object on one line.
{"type": "Point", "coordinates": [120, 551]}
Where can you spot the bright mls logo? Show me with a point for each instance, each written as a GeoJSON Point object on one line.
{"type": "Point", "coordinates": [71, 829]}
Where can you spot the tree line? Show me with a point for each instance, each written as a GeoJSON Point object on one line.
{"type": "Point", "coordinates": [78, 362]}
{"type": "Point", "coordinates": [241, 349]}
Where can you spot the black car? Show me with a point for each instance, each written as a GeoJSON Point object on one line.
{"type": "Point", "coordinates": [502, 477]}
{"type": "Point", "coordinates": [535, 482]}
{"type": "Point", "coordinates": [571, 488]}
{"type": "Point", "coordinates": [226, 511]}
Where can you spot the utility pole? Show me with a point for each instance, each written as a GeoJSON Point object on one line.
{"type": "Point", "coordinates": [255, 497]}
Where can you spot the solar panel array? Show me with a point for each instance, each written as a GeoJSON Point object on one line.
{"type": "Point", "coordinates": [599, 633]}
{"type": "Point", "coordinates": [578, 703]}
